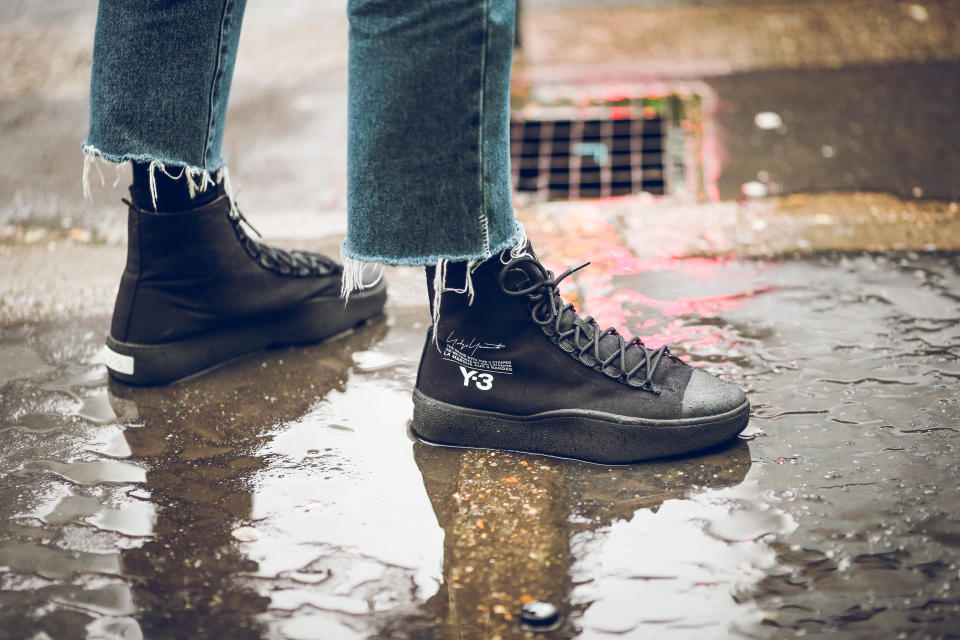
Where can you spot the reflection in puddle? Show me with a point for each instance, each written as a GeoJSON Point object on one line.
{"type": "Point", "coordinates": [368, 554]}
{"type": "Point", "coordinates": [521, 527]}
{"type": "Point", "coordinates": [207, 443]}
{"type": "Point", "coordinates": [93, 472]}
{"type": "Point", "coordinates": [679, 565]}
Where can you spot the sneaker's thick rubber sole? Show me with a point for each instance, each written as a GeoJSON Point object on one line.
{"type": "Point", "coordinates": [321, 318]}
{"type": "Point", "coordinates": [573, 433]}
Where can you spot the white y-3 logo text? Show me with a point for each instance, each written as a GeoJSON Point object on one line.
{"type": "Point", "coordinates": [484, 381]}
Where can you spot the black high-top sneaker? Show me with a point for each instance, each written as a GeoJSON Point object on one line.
{"type": "Point", "coordinates": [198, 291]}
{"type": "Point", "coordinates": [520, 369]}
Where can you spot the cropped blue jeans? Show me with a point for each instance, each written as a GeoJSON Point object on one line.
{"type": "Point", "coordinates": [428, 131]}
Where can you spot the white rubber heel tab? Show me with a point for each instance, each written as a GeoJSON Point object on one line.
{"type": "Point", "coordinates": [117, 361]}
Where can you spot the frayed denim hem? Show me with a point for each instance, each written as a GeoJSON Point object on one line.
{"type": "Point", "coordinates": [198, 179]}
{"type": "Point", "coordinates": [354, 263]}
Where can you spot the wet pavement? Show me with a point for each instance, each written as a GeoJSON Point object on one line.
{"type": "Point", "coordinates": [282, 496]}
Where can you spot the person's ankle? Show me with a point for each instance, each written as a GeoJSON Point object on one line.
{"type": "Point", "coordinates": [170, 191]}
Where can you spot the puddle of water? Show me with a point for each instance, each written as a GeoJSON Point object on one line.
{"type": "Point", "coordinates": [132, 519]}
{"type": "Point", "coordinates": [835, 514]}
{"type": "Point", "coordinates": [114, 629]}
{"type": "Point", "coordinates": [72, 508]}
{"type": "Point", "coordinates": [339, 553]}
{"type": "Point", "coordinates": [20, 361]}
{"type": "Point", "coordinates": [52, 563]}
{"type": "Point", "coordinates": [93, 472]}
{"type": "Point", "coordinates": [97, 409]}
{"type": "Point", "coordinates": [111, 600]}
{"type": "Point", "coordinates": [367, 361]}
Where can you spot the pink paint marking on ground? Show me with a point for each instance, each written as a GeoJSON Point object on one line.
{"type": "Point", "coordinates": [595, 295]}
{"type": "Point", "coordinates": [711, 305]}
{"type": "Point", "coordinates": [636, 297]}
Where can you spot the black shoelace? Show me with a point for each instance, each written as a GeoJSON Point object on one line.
{"type": "Point", "coordinates": [289, 263]}
{"type": "Point", "coordinates": [548, 310]}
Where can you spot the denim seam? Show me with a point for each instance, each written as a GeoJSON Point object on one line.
{"type": "Point", "coordinates": [96, 154]}
{"type": "Point", "coordinates": [518, 236]}
{"type": "Point", "coordinates": [484, 223]}
{"type": "Point", "coordinates": [217, 72]}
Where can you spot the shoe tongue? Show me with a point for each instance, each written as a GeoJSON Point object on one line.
{"type": "Point", "coordinates": [609, 344]}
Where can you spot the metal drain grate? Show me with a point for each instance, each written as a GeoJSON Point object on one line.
{"type": "Point", "coordinates": [571, 159]}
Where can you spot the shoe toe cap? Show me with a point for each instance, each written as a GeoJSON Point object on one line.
{"type": "Point", "coordinates": [707, 395]}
